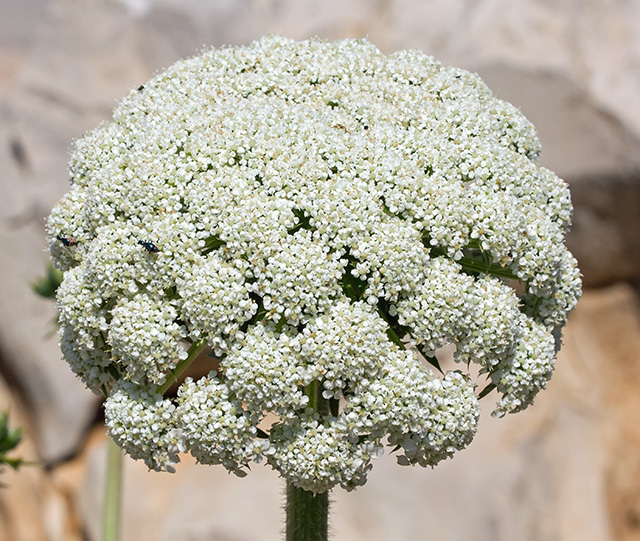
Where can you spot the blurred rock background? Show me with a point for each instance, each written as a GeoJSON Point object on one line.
{"type": "Point", "coordinates": [566, 469]}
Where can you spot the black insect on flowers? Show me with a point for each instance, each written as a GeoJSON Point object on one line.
{"type": "Point", "coordinates": [67, 241]}
{"type": "Point", "coordinates": [149, 246]}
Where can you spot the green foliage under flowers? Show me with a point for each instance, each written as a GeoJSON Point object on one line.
{"type": "Point", "coordinates": [9, 440]}
{"type": "Point", "coordinates": [47, 285]}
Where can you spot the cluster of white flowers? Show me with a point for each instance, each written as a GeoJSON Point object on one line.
{"type": "Point", "coordinates": [323, 217]}
{"type": "Point", "coordinates": [144, 424]}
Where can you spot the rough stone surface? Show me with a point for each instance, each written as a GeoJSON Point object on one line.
{"type": "Point", "coordinates": [606, 227]}
{"type": "Point", "coordinates": [31, 506]}
{"type": "Point", "coordinates": [564, 470]}
{"type": "Point", "coordinates": [59, 405]}
{"type": "Point", "coordinates": [606, 339]}
{"type": "Point", "coordinates": [579, 138]}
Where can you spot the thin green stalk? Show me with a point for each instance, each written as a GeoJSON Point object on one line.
{"type": "Point", "coordinates": [192, 353]}
{"type": "Point", "coordinates": [307, 512]}
{"type": "Point", "coordinates": [112, 493]}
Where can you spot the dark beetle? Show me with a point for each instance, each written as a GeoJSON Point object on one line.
{"type": "Point", "coordinates": [67, 241]}
{"type": "Point", "coordinates": [149, 246]}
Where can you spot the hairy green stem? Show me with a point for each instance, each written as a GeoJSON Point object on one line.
{"type": "Point", "coordinates": [307, 512]}
{"type": "Point", "coordinates": [307, 515]}
{"type": "Point", "coordinates": [112, 493]}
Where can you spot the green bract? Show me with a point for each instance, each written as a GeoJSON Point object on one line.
{"type": "Point", "coordinates": [317, 214]}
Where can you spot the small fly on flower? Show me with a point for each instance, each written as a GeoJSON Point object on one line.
{"type": "Point", "coordinates": [67, 241]}
{"type": "Point", "coordinates": [149, 246]}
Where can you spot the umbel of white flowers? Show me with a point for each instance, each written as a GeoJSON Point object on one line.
{"type": "Point", "coordinates": [312, 212]}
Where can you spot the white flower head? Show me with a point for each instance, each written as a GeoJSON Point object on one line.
{"type": "Point", "coordinates": [323, 217]}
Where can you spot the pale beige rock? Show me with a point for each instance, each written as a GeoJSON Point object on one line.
{"type": "Point", "coordinates": [578, 138]}
{"type": "Point", "coordinates": [606, 228]}
{"type": "Point", "coordinates": [606, 336]}
{"type": "Point", "coordinates": [594, 43]}
{"type": "Point", "coordinates": [58, 404]}
{"type": "Point", "coordinates": [31, 507]}
{"type": "Point", "coordinates": [197, 503]}
{"type": "Point", "coordinates": [17, 23]}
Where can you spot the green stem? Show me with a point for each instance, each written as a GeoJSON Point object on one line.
{"type": "Point", "coordinates": [316, 401]}
{"type": "Point", "coordinates": [486, 268]}
{"type": "Point", "coordinates": [307, 515]}
{"type": "Point", "coordinates": [112, 494]}
{"type": "Point", "coordinates": [472, 265]}
{"type": "Point", "coordinates": [307, 512]}
{"type": "Point", "coordinates": [192, 353]}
